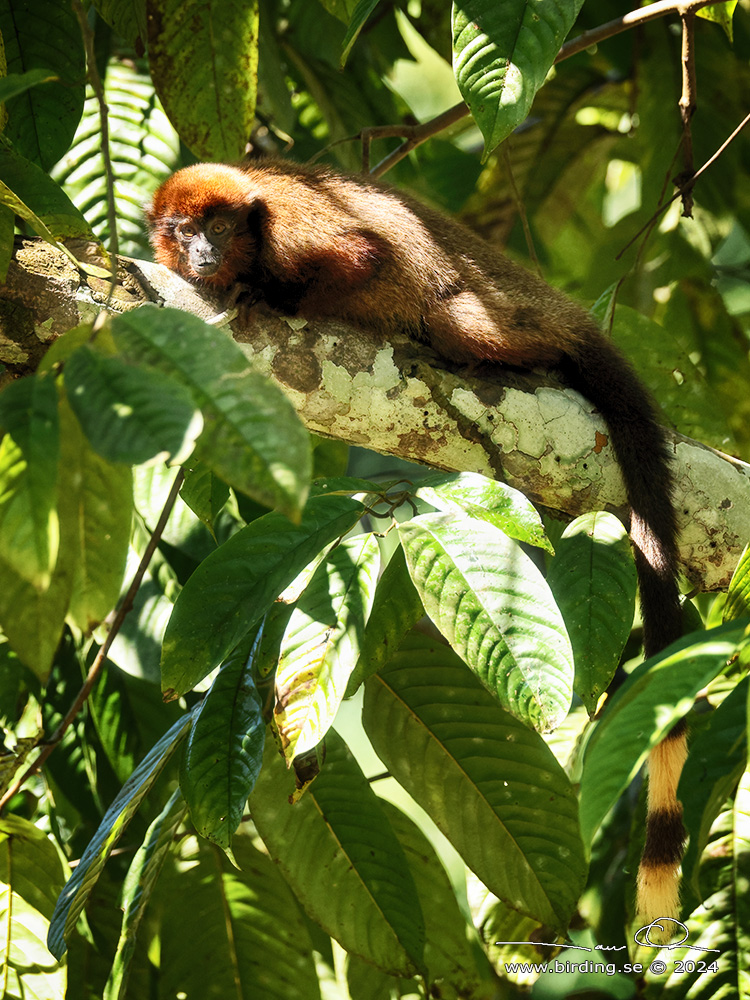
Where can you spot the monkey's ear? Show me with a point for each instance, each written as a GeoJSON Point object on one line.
{"type": "Point", "coordinates": [255, 211]}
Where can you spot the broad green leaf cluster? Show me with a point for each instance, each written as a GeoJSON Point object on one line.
{"type": "Point", "coordinates": [366, 731]}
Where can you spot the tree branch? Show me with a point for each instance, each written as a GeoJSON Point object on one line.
{"type": "Point", "coordinates": [397, 398]}
{"type": "Point", "coordinates": [415, 135]}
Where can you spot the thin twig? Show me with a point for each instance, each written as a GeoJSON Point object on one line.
{"type": "Point", "coordinates": [688, 103]}
{"type": "Point", "coordinates": [414, 135]}
{"type": "Point", "coordinates": [691, 182]}
{"type": "Point", "coordinates": [96, 85]}
{"type": "Point", "coordinates": [641, 16]}
{"type": "Point", "coordinates": [96, 666]}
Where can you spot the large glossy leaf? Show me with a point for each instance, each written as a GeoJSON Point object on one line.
{"type": "Point", "coordinates": [487, 500]}
{"type": "Point", "coordinates": [96, 511]}
{"type": "Point", "coordinates": [503, 50]}
{"type": "Point", "coordinates": [657, 694]}
{"type": "Point", "coordinates": [594, 582]}
{"type": "Point", "coordinates": [321, 643]}
{"type": "Point", "coordinates": [252, 437]}
{"type": "Point", "coordinates": [341, 859]}
{"type": "Point", "coordinates": [33, 195]}
{"type": "Point", "coordinates": [738, 596]}
{"type": "Point", "coordinates": [448, 951]}
{"type": "Point", "coordinates": [224, 750]}
{"type": "Point", "coordinates": [29, 456]}
{"type": "Point", "coordinates": [495, 608]}
{"type": "Point", "coordinates": [232, 932]}
{"type": "Point", "coordinates": [234, 587]}
{"type": "Point", "coordinates": [33, 619]}
{"type": "Point", "coordinates": [116, 819]}
{"type": "Point", "coordinates": [489, 782]}
{"type": "Point", "coordinates": [41, 121]}
{"type": "Point", "coordinates": [130, 414]}
{"type": "Point", "coordinates": [204, 62]}
{"type": "Point", "coordinates": [31, 875]}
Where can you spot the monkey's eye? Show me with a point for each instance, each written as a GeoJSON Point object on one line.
{"type": "Point", "coordinates": [218, 227]}
{"type": "Point", "coordinates": [187, 230]}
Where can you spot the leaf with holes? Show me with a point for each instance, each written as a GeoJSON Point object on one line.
{"type": "Point", "coordinates": [322, 642]}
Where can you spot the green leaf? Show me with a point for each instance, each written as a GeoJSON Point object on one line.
{"type": "Point", "coordinates": [594, 582]}
{"type": "Point", "coordinates": [127, 19]}
{"type": "Point", "coordinates": [487, 500]}
{"type": "Point", "coordinates": [252, 437]}
{"type": "Point", "coordinates": [495, 608]}
{"type": "Point", "coordinates": [337, 836]}
{"type": "Point", "coordinates": [358, 20]}
{"type": "Point", "coordinates": [204, 493]}
{"type": "Point", "coordinates": [396, 607]}
{"type": "Point", "coordinates": [116, 819]}
{"type": "Point", "coordinates": [254, 940]}
{"type": "Point", "coordinates": [719, 926]}
{"type": "Point", "coordinates": [448, 950]}
{"type": "Point", "coordinates": [130, 414]}
{"type": "Point", "coordinates": [138, 888]}
{"type": "Point", "coordinates": [658, 693]}
{"type": "Point", "coordinates": [322, 643]}
{"type": "Point", "coordinates": [671, 371]}
{"type": "Point", "coordinates": [33, 619]}
{"type": "Point", "coordinates": [722, 13]}
{"type": "Point", "coordinates": [32, 194]}
{"type": "Point", "coordinates": [31, 875]}
{"type": "Point", "coordinates": [29, 456]}
{"type": "Point", "coordinates": [502, 52]}
{"type": "Point", "coordinates": [204, 63]}
{"type": "Point", "coordinates": [738, 596]}
{"type": "Point", "coordinates": [715, 763]}
{"type": "Point", "coordinates": [233, 587]}
{"type": "Point", "coordinates": [18, 83]}
{"type": "Point", "coordinates": [460, 755]}
{"type": "Point", "coordinates": [224, 749]}
{"type": "Point", "coordinates": [96, 511]}
{"type": "Point", "coordinates": [42, 120]}
{"type": "Point", "coordinates": [7, 230]}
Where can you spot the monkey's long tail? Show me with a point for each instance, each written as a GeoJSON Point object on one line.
{"type": "Point", "coordinates": [604, 377]}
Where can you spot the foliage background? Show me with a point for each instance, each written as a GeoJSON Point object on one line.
{"type": "Point", "coordinates": [581, 174]}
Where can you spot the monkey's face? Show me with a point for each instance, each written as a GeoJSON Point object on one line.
{"type": "Point", "coordinates": [203, 244]}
